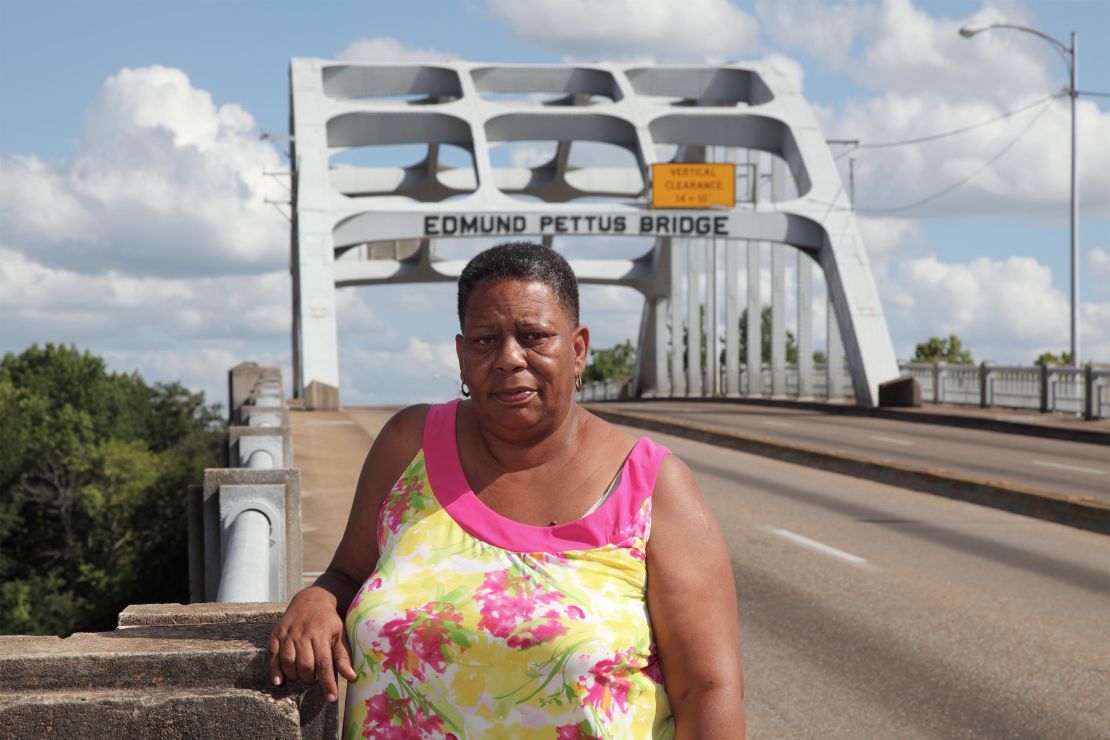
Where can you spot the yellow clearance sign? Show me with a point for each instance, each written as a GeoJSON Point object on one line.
{"type": "Point", "coordinates": [693, 185]}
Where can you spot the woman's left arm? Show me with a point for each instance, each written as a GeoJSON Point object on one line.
{"type": "Point", "coordinates": [692, 602]}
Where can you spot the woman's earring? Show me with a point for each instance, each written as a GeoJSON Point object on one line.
{"type": "Point", "coordinates": [464, 390]}
{"type": "Point", "coordinates": [578, 382]}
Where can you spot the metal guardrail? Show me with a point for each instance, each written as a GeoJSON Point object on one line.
{"type": "Point", "coordinates": [1045, 388]}
{"type": "Point", "coordinates": [244, 530]}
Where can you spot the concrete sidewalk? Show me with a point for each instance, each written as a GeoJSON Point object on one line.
{"type": "Point", "coordinates": [329, 448]}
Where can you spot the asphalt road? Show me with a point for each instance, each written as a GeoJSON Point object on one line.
{"type": "Point", "coordinates": [872, 612]}
{"type": "Point", "coordinates": [1073, 468]}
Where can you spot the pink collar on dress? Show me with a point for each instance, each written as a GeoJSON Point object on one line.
{"type": "Point", "coordinates": [596, 529]}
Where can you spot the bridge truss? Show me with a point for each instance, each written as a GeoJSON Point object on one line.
{"type": "Point", "coordinates": [359, 222]}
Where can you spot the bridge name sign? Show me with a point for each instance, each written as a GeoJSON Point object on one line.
{"type": "Point", "coordinates": [647, 224]}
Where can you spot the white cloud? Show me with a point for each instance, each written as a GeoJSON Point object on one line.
{"type": "Point", "coordinates": [1030, 178]}
{"type": "Point", "coordinates": [1005, 310]}
{"type": "Point", "coordinates": [187, 329]}
{"type": "Point", "coordinates": [892, 45]}
{"type": "Point", "coordinates": [825, 31]}
{"type": "Point", "coordinates": [642, 29]}
{"type": "Point", "coordinates": [420, 371]}
{"type": "Point", "coordinates": [1098, 271]}
{"type": "Point", "coordinates": [163, 182]}
{"type": "Point", "coordinates": [930, 80]}
{"type": "Point", "coordinates": [389, 49]}
{"type": "Point", "coordinates": [887, 238]}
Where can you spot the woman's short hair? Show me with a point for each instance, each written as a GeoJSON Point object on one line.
{"type": "Point", "coordinates": [520, 261]}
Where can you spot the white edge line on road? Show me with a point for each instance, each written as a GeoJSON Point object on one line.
{"type": "Point", "coordinates": [820, 547]}
{"type": "Point", "coordinates": [1074, 468]}
{"type": "Point", "coordinates": [891, 440]}
{"type": "Point", "coordinates": [783, 424]}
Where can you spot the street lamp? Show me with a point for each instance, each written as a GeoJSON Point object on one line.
{"type": "Point", "coordinates": [1073, 92]}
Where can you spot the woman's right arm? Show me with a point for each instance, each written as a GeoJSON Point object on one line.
{"type": "Point", "coordinates": [309, 643]}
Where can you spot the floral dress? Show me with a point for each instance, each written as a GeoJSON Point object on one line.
{"type": "Point", "coordinates": [477, 626]}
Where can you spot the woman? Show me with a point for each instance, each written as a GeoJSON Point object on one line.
{"type": "Point", "coordinates": [521, 545]}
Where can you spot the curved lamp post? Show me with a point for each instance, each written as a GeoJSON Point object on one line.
{"type": "Point", "coordinates": [1073, 92]}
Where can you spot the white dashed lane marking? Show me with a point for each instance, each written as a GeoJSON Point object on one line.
{"type": "Point", "coordinates": [892, 440]}
{"type": "Point", "coordinates": [816, 546]}
{"type": "Point", "coordinates": [1071, 468]}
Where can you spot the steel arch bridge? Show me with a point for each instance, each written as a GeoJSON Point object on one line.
{"type": "Point", "coordinates": [359, 224]}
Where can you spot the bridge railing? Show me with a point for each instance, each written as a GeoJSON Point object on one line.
{"type": "Point", "coordinates": [1045, 388]}
{"type": "Point", "coordinates": [245, 521]}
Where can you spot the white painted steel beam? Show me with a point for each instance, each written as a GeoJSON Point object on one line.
{"type": "Point", "coordinates": [635, 109]}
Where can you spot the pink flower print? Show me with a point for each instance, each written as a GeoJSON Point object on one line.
{"type": "Point", "coordinates": [654, 669]}
{"type": "Point", "coordinates": [606, 686]}
{"type": "Point", "coordinates": [519, 610]}
{"type": "Point", "coordinates": [580, 731]}
{"type": "Point", "coordinates": [407, 494]}
{"type": "Point", "coordinates": [371, 585]}
{"type": "Point", "coordinates": [426, 637]}
{"type": "Point", "coordinates": [389, 716]}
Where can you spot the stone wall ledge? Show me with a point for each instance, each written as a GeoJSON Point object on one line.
{"type": "Point", "coordinates": [168, 671]}
{"type": "Point", "coordinates": [158, 713]}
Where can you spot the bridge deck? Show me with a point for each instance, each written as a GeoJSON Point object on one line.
{"type": "Point", "coordinates": [329, 447]}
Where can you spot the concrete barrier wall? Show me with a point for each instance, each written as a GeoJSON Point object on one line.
{"type": "Point", "coordinates": [168, 671]}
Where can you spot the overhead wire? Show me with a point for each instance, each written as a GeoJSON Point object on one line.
{"type": "Point", "coordinates": [969, 177]}
{"type": "Point", "coordinates": [953, 132]}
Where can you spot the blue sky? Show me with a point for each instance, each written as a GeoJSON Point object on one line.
{"type": "Point", "coordinates": [129, 137]}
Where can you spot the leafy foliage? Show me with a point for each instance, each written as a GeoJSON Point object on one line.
{"type": "Point", "coordinates": [765, 338]}
{"type": "Point", "coordinates": [617, 361]}
{"type": "Point", "coordinates": [943, 350]}
{"type": "Point", "coordinates": [93, 472]}
{"type": "Point", "coordinates": [1051, 358]}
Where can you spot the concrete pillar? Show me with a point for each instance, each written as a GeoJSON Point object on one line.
{"type": "Point", "coordinates": [693, 320]}
{"type": "Point", "coordinates": [835, 355]}
{"type": "Point", "coordinates": [678, 261]}
{"type": "Point", "coordinates": [755, 323]}
{"type": "Point", "coordinates": [805, 325]}
{"type": "Point", "coordinates": [732, 317]}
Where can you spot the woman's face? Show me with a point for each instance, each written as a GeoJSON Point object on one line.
{"type": "Point", "coordinates": [519, 353]}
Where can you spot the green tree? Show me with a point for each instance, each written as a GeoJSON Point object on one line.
{"type": "Point", "coordinates": [943, 350]}
{"type": "Point", "coordinates": [1051, 358]}
{"type": "Point", "coordinates": [764, 338]}
{"type": "Point", "coordinates": [92, 489]}
{"type": "Point", "coordinates": [618, 361]}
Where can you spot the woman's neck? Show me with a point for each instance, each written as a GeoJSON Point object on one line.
{"type": "Point", "coordinates": [515, 454]}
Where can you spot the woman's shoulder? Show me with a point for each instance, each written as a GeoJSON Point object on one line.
{"type": "Point", "coordinates": [603, 437]}
{"type": "Point", "coordinates": [403, 434]}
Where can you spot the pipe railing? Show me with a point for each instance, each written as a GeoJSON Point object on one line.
{"type": "Point", "coordinates": [246, 569]}
{"type": "Point", "coordinates": [245, 524]}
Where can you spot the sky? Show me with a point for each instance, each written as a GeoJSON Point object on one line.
{"type": "Point", "coordinates": [134, 219]}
